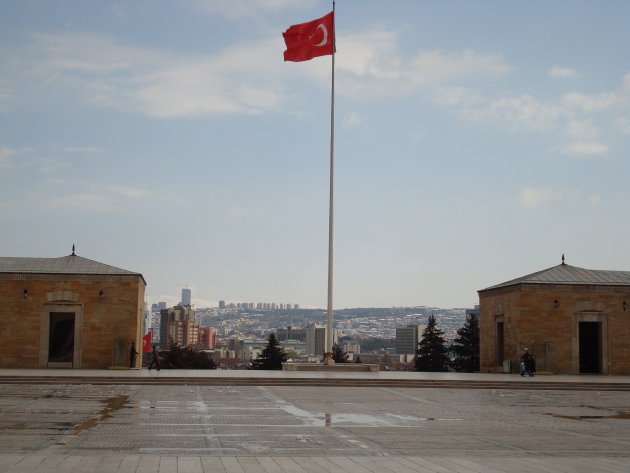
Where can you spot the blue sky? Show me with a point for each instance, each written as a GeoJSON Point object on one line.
{"type": "Point", "coordinates": [475, 142]}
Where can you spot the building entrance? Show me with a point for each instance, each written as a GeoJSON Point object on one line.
{"type": "Point", "coordinates": [61, 337]}
{"type": "Point", "coordinates": [590, 342]}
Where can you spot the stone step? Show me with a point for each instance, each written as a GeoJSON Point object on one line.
{"type": "Point", "coordinates": [313, 382]}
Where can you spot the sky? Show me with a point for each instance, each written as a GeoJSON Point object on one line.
{"type": "Point", "coordinates": [475, 142]}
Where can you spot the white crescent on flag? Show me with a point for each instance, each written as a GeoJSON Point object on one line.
{"type": "Point", "coordinates": [325, 31]}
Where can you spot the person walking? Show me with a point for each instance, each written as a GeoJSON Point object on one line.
{"type": "Point", "coordinates": [132, 355]}
{"type": "Point", "coordinates": [154, 359]}
{"type": "Point", "coordinates": [528, 361]}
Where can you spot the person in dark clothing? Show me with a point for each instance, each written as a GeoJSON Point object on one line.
{"type": "Point", "coordinates": [132, 355]}
{"type": "Point", "coordinates": [528, 360]}
{"type": "Point", "coordinates": [154, 359]}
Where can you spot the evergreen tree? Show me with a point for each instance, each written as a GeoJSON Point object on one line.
{"type": "Point", "coordinates": [176, 357]}
{"type": "Point", "coordinates": [432, 354]}
{"type": "Point", "coordinates": [466, 346]}
{"type": "Point", "coordinates": [272, 357]}
{"type": "Point", "coordinates": [338, 355]}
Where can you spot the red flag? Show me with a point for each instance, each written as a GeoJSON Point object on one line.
{"type": "Point", "coordinates": [309, 40]}
{"type": "Point", "coordinates": [146, 343]}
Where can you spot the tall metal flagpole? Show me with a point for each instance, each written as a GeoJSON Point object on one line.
{"type": "Point", "coordinates": [329, 327]}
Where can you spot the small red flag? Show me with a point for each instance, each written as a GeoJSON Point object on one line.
{"type": "Point", "coordinates": [309, 40]}
{"type": "Point", "coordinates": [146, 343]}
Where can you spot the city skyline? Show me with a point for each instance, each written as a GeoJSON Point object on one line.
{"type": "Point", "coordinates": [475, 142]}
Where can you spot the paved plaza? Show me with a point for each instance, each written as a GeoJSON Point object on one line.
{"type": "Point", "coordinates": [178, 428]}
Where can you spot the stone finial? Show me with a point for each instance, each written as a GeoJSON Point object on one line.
{"type": "Point", "coordinates": [562, 258]}
{"type": "Point", "coordinates": [73, 254]}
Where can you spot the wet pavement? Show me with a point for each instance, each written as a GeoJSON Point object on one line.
{"type": "Point", "coordinates": [144, 428]}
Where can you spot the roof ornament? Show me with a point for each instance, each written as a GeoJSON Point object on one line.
{"type": "Point", "coordinates": [562, 258]}
{"type": "Point", "coordinates": [73, 254]}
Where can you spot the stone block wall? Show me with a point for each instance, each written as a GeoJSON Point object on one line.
{"type": "Point", "coordinates": [110, 306]}
{"type": "Point", "coordinates": [547, 317]}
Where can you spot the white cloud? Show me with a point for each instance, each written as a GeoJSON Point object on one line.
{"type": "Point", "coordinates": [83, 203]}
{"type": "Point", "coordinates": [354, 120]}
{"type": "Point", "coordinates": [249, 8]}
{"type": "Point", "coordinates": [585, 149]}
{"type": "Point", "coordinates": [82, 149]}
{"type": "Point", "coordinates": [6, 157]}
{"type": "Point", "coordinates": [369, 66]}
{"type": "Point", "coordinates": [581, 128]}
{"type": "Point", "coordinates": [532, 197]}
{"type": "Point", "coordinates": [590, 103]}
{"type": "Point", "coordinates": [457, 96]}
{"type": "Point", "coordinates": [623, 124]}
{"type": "Point", "coordinates": [558, 72]}
{"type": "Point", "coordinates": [127, 191]}
{"type": "Point", "coordinates": [516, 112]}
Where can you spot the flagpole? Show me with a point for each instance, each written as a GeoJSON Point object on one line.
{"type": "Point", "coordinates": [329, 327]}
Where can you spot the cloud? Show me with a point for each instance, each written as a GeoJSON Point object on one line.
{"type": "Point", "coordinates": [369, 66]}
{"type": "Point", "coordinates": [515, 112]}
{"type": "Point", "coordinates": [6, 157]}
{"type": "Point", "coordinates": [623, 124]}
{"type": "Point", "coordinates": [82, 149]}
{"type": "Point", "coordinates": [585, 149]}
{"type": "Point", "coordinates": [590, 103]}
{"type": "Point", "coordinates": [249, 8]}
{"type": "Point", "coordinates": [558, 72]}
{"type": "Point", "coordinates": [532, 197]}
{"type": "Point", "coordinates": [83, 202]}
{"type": "Point", "coordinates": [354, 120]}
{"type": "Point", "coordinates": [127, 191]}
{"type": "Point", "coordinates": [161, 84]}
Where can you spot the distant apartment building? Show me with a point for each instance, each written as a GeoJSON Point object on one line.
{"type": "Point", "coordinates": [186, 297]}
{"type": "Point", "coordinates": [221, 304]}
{"type": "Point", "coordinates": [182, 333]}
{"type": "Point", "coordinates": [291, 333]}
{"type": "Point", "coordinates": [474, 311]}
{"type": "Point", "coordinates": [208, 337]}
{"type": "Point", "coordinates": [316, 339]}
{"type": "Point", "coordinates": [407, 338]}
{"type": "Point", "coordinates": [351, 347]}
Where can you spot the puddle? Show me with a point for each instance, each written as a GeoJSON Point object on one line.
{"type": "Point", "coordinates": [111, 405]}
{"type": "Point", "coordinates": [618, 415]}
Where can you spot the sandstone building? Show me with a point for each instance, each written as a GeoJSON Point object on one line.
{"type": "Point", "coordinates": [68, 312]}
{"type": "Point", "coordinates": [573, 320]}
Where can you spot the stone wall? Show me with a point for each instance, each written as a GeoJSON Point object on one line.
{"type": "Point", "coordinates": [545, 318]}
{"type": "Point", "coordinates": [107, 307]}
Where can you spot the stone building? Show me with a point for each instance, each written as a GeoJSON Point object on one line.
{"type": "Point", "coordinates": [573, 320]}
{"type": "Point", "coordinates": [68, 312]}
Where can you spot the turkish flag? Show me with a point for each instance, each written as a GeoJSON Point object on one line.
{"type": "Point", "coordinates": [309, 40]}
{"type": "Point", "coordinates": [146, 343]}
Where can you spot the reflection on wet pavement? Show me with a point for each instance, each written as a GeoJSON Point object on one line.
{"type": "Point", "coordinates": [297, 421]}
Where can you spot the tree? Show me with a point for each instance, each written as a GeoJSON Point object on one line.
{"type": "Point", "coordinates": [272, 357]}
{"type": "Point", "coordinates": [176, 357]}
{"type": "Point", "coordinates": [466, 346]}
{"type": "Point", "coordinates": [338, 355]}
{"type": "Point", "coordinates": [432, 354]}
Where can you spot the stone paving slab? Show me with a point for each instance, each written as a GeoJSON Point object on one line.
{"type": "Point", "coordinates": [334, 464]}
{"type": "Point", "coordinates": [142, 428]}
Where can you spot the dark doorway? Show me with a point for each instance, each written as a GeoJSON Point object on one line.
{"type": "Point", "coordinates": [590, 347]}
{"type": "Point", "coordinates": [500, 344]}
{"type": "Point", "coordinates": [61, 337]}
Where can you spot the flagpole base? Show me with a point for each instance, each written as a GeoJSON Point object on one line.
{"type": "Point", "coordinates": [329, 359]}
